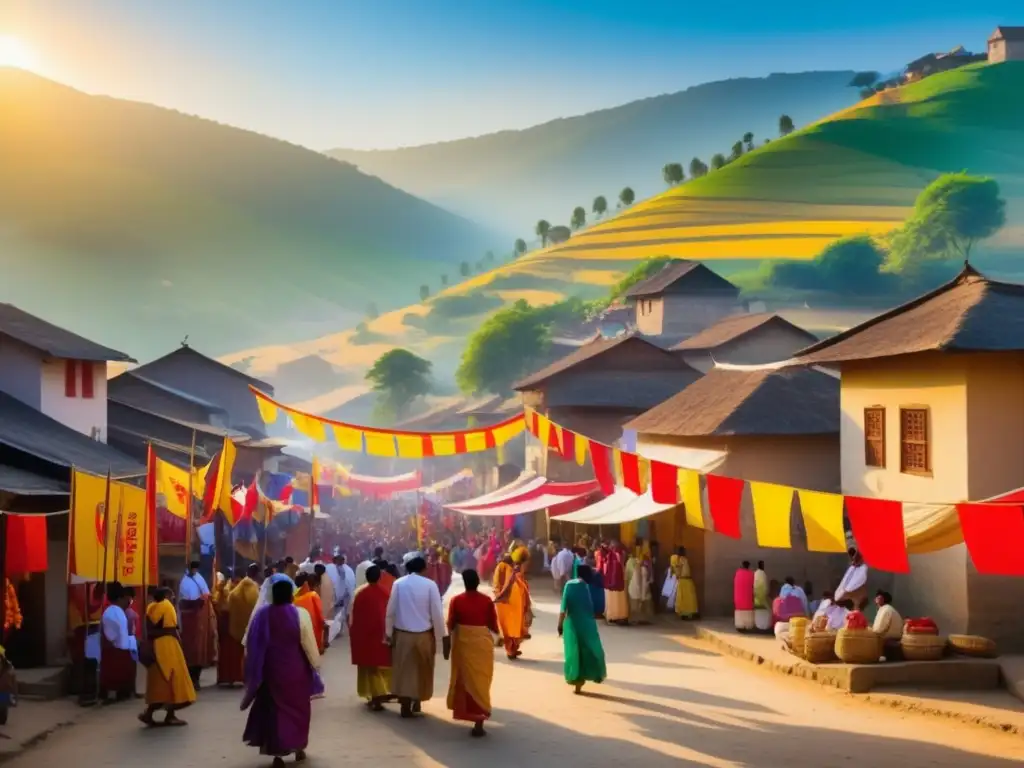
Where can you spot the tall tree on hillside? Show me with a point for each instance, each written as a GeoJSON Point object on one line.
{"type": "Point", "coordinates": [717, 161]}
{"type": "Point", "coordinates": [600, 206]}
{"type": "Point", "coordinates": [579, 217]}
{"type": "Point", "coordinates": [786, 126]}
{"type": "Point", "coordinates": [519, 248]}
{"type": "Point", "coordinates": [464, 269]}
{"type": "Point", "coordinates": [398, 377]}
{"type": "Point", "coordinates": [543, 227]}
{"type": "Point", "coordinates": [424, 292]}
{"type": "Point", "coordinates": [510, 343]}
{"type": "Point", "coordinates": [748, 139]}
{"type": "Point", "coordinates": [672, 173]}
{"type": "Point", "coordinates": [697, 168]}
{"type": "Point", "coordinates": [864, 80]}
{"type": "Point", "coordinates": [444, 279]}
{"type": "Point", "coordinates": [737, 151]}
{"type": "Point", "coordinates": [627, 196]}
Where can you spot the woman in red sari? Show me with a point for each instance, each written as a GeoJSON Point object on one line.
{"type": "Point", "coordinates": [370, 655]}
{"type": "Point", "coordinates": [472, 622]}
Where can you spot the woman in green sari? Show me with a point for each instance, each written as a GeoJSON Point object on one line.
{"type": "Point", "coordinates": [584, 655]}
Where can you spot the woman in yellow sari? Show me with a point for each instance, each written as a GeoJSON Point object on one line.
{"type": "Point", "coordinates": [471, 623]}
{"type": "Point", "coordinates": [686, 590]}
{"type": "Point", "coordinates": [168, 683]}
{"type": "Point", "coordinates": [512, 601]}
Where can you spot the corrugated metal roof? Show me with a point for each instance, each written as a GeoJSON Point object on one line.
{"type": "Point", "coordinates": [21, 483]}
{"type": "Point", "coordinates": [53, 340]}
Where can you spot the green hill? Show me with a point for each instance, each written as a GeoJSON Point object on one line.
{"type": "Point", "coordinates": [111, 209]}
{"type": "Point", "coordinates": [513, 178]}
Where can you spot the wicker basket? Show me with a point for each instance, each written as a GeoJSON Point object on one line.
{"type": "Point", "coordinates": [923, 647]}
{"type": "Point", "coordinates": [973, 645]}
{"type": "Point", "coordinates": [820, 647]}
{"type": "Point", "coordinates": [858, 646]}
{"type": "Point", "coordinates": [798, 627]}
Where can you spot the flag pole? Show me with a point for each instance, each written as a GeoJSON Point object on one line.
{"type": "Point", "coordinates": [312, 501]}
{"type": "Point", "coordinates": [67, 567]}
{"type": "Point", "coordinates": [151, 537]}
{"type": "Point", "coordinates": [105, 580]}
{"type": "Point", "coordinates": [191, 504]}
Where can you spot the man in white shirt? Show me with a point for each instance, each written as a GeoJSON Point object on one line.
{"type": "Point", "coordinates": [119, 650]}
{"type": "Point", "coordinates": [561, 567]}
{"type": "Point", "coordinates": [854, 586]}
{"type": "Point", "coordinates": [414, 626]}
{"type": "Point", "coordinates": [195, 613]}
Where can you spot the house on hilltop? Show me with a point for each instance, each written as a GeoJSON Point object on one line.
{"type": "Point", "coordinates": [682, 299]}
{"type": "Point", "coordinates": [748, 339]}
{"type": "Point", "coordinates": [932, 411]}
{"type": "Point", "coordinates": [933, 63]}
{"type": "Point", "coordinates": [1006, 44]}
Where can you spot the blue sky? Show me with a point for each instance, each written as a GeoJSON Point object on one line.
{"type": "Point", "coordinates": [385, 73]}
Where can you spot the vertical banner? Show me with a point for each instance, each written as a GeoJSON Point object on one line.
{"type": "Point", "coordinates": [97, 538]}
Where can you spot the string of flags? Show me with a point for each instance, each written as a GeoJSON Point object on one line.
{"type": "Point", "coordinates": [993, 530]}
{"type": "Point", "coordinates": [390, 443]}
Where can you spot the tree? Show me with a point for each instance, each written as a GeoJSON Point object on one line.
{"type": "Point", "coordinates": [464, 269]}
{"type": "Point", "coordinates": [672, 173]}
{"type": "Point", "coordinates": [543, 227]}
{"type": "Point", "coordinates": [579, 217]}
{"type": "Point", "coordinates": [509, 344]}
{"type": "Point", "coordinates": [444, 279]}
{"type": "Point", "coordinates": [424, 292]}
{"type": "Point", "coordinates": [850, 266]}
{"type": "Point", "coordinates": [372, 313]}
{"type": "Point", "coordinates": [398, 377]}
{"type": "Point", "coordinates": [864, 80]}
{"type": "Point", "coordinates": [519, 248]}
{"type": "Point", "coordinates": [718, 161]}
{"type": "Point", "coordinates": [600, 206]}
{"type": "Point", "coordinates": [737, 151]}
{"type": "Point", "coordinates": [698, 168]}
{"type": "Point", "coordinates": [950, 216]}
{"type": "Point", "coordinates": [627, 196]}
{"type": "Point", "coordinates": [786, 126]}
{"type": "Point", "coordinates": [748, 139]}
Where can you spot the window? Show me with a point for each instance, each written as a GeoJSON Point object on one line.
{"type": "Point", "coordinates": [87, 379]}
{"type": "Point", "coordinates": [874, 437]}
{"type": "Point", "coordinates": [914, 448]}
{"type": "Point", "coordinates": [70, 382]}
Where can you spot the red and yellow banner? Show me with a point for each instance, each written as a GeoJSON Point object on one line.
{"type": "Point", "coordinates": [388, 442]}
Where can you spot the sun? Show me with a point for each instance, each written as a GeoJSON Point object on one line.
{"type": "Point", "coordinates": [16, 53]}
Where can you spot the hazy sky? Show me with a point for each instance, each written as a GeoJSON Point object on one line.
{"type": "Point", "coordinates": [385, 73]}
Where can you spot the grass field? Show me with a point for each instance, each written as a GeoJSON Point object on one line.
{"type": "Point", "coordinates": [857, 171]}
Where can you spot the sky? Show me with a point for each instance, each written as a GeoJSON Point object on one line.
{"type": "Point", "coordinates": [388, 73]}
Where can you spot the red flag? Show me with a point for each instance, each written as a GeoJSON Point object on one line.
{"type": "Point", "coordinates": [631, 471]}
{"type": "Point", "coordinates": [568, 451]}
{"type": "Point", "coordinates": [211, 491]}
{"type": "Point", "coordinates": [878, 529]}
{"type": "Point", "coordinates": [601, 458]}
{"type": "Point", "coordinates": [724, 497]}
{"type": "Point", "coordinates": [994, 535]}
{"type": "Point", "coordinates": [664, 483]}
{"type": "Point", "coordinates": [26, 544]}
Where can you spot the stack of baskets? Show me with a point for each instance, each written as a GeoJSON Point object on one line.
{"type": "Point", "coordinates": [798, 626]}
{"type": "Point", "coordinates": [973, 645]}
{"type": "Point", "coordinates": [820, 647]}
{"type": "Point", "coordinates": [920, 647]}
{"type": "Point", "coordinates": [858, 646]}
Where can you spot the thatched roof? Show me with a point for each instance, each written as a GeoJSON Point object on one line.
{"type": "Point", "coordinates": [734, 327]}
{"type": "Point", "coordinates": [789, 401]}
{"type": "Point", "coordinates": [968, 314]}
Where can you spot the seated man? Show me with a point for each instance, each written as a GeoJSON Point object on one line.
{"type": "Point", "coordinates": [836, 614]}
{"type": "Point", "coordinates": [889, 626]}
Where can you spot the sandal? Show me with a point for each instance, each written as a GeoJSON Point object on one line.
{"type": "Point", "coordinates": [148, 721]}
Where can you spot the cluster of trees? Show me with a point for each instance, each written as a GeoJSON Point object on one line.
{"type": "Point", "coordinates": [674, 174]}
{"type": "Point", "coordinates": [951, 215]}
{"type": "Point", "coordinates": [578, 219]}
{"type": "Point", "coordinates": [398, 377]}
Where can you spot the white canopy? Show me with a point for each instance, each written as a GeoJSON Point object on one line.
{"type": "Point", "coordinates": [643, 506]}
{"type": "Point", "coordinates": [526, 482]}
{"type": "Point", "coordinates": [702, 460]}
{"type": "Point", "coordinates": [622, 497]}
{"type": "Point", "coordinates": [530, 503]}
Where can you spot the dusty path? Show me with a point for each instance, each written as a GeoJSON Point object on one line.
{"type": "Point", "coordinates": [667, 703]}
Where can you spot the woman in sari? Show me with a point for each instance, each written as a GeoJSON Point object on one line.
{"type": "Point", "coordinates": [168, 683]}
{"type": "Point", "coordinates": [596, 586]}
{"type": "Point", "coordinates": [584, 654]}
{"type": "Point", "coordinates": [639, 578]}
{"type": "Point", "coordinates": [686, 590]}
{"type": "Point", "coordinates": [308, 600]}
{"type": "Point", "coordinates": [472, 622]}
{"type": "Point", "coordinates": [281, 678]}
{"type": "Point", "coordinates": [512, 600]}
{"type": "Point", "coordinates": [366, 632]}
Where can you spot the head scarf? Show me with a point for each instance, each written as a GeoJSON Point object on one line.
{"type": "Point", "coordinates": [266, 598]}
{"type": "Point", "coordinates": [520, 555]}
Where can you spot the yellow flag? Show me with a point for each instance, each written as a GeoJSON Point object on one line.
{"type": "Point", "coordinates": [410, 446]}
{"type": "Point", "coordinates": [310, 426]}
{"type": "Point", "coordinates": [443, 445]}
{"type": "Point", "coordinates": [347, 438]}
{"type": "Point", "coordinates": [381, 444]}
{"type": "Point", "coordinates": [823, 520]}
{"type": "Point", "coordinates": [172, 485]}
{"type": "Point", "coordinates": [132, 534]}
{"type": "Point", "coordinates": [689, 492]}
{"type": "Point", "coordinates": [581, 448]}
{"type": "Point", "coordinates": [772, 507]}
{"type": "Point", "coordinates": [644, 469]}
{"type": "Point", "coordinates": [617, 466]}
{"type": "Point", "coordinates": [543, 430]}
{"type": "Point", "coordinates": [507, 432]}
{"type": "Point", "coordinates": [268, 411]}
{"type": "Point", "coordinates": [476, 442]}
{"type": "Point", "coordinates": [112, 541]}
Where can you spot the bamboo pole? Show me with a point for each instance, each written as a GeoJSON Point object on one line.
{"type": "Point", "coordinates": [105, 580]}
{"type": "Point", "coordinates": [67, 566]}
{"type": "Point", "coordinates": [191, 506]}
{"type": "Point", "coordinates": [152, 534]}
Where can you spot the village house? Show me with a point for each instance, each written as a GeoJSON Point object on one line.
{"type": "Point", "coordinates": [932, 401]}
{"type": "Point", "coordinates": [1006, 44]}
{"type": "Point", "coordinates": [773, 426]}
{"type": "Point", "coordinates": [682, 299]}
{"type": "Point", "coordinates": [748, 339]}
{"type": "Point", "coordinates": [55, 371]}
{"type": "Point", "coordinates": [934, 63]}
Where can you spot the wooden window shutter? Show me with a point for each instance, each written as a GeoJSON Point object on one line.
{"type": "Point", "coordinates": [70, 378]}
{"type": "Point", "coordinates": [914, 448]}
{"type": "Point", "coordinates": [874, 437]}
{"type": "Point", "coordinates": [87, 379]}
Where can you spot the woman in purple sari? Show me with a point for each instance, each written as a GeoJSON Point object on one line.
{"type": "Point", "coordinates": [281, 661]}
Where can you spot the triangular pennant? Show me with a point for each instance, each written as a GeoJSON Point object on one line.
{"type": "Point", "coordinates": [878, 530]}
{"type": "Point", "coordinates": [724, 497]}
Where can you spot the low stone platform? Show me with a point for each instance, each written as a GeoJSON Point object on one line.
{"type": "Point", "coordinates": [956, 674]}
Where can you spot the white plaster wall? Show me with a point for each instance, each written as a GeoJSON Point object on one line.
{"type": "Point", "coordinates": [78, 413]}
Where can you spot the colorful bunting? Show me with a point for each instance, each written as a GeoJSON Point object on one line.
{"type": "Point", "coordinates": [823, 520]}
{"type": "Point", "coordinates": [380, 444]}
{"type": "Point", "coordinates": [724, 497]}
{"type": "Point", "coordinates": [689, 492]}
{"type": "Point", "coordinates": [600, 457]}
{"type": "Point", "coordinates": [994, 535]}
{"type": "Point", "coordinates": [26, 545]}
{"type": "Point", "coordinates": [631, 472]}
{"type": "Point", "coordinates": [348, 438]}
{"type": "Point", "coordinates": [580, 444]}
{"type": "Point", "coordinates": [878, 529]}
{"type": "Point", "coordinates": [409, 446]}
{"type": "Point", "coordinates": [773, 505]}
{"type": "Point", "coordinates": [664, 483]}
